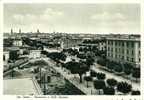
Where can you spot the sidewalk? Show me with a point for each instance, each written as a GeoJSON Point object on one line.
{"type": "Point", "coordinates": [135, 86]}
{"type": "Point", "coordinates": [74, 79]}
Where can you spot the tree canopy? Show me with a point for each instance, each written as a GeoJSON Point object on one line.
{"type": "Point", "coordinates": [77, 68]}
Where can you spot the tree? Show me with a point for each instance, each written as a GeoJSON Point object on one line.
{"type": "Point", "coordinates": [80, 49]}
{"type": "Point", "coordinates": [93, 73]}
{"type": "Point", "coordinates": [110, 65]}
{"type": "Point", "coordinates": [8, 42]}
{"type": "Point", "coordinates": [118, 68]}
{"type": "Point", "coordinates": [40, 63]}
{"type": "Point", "coordinates": [101, 76]}
{"type": "Point", "coordinates": [127, 68]}
{"type": "Point", "coordinates": [102, 62]}
{"type": "Point", "coordinates": [74, 52]}
{"type": "Point", "coordinates": [135, 92]}
{"type": "Point", "coordinates": [14, 55]}
{"type": "Point", "coordinates": [109, 91]}
{"type": "Point", "coordinates": [136, 73]}
{"type": "Point", "coordinates": [89, 61]}
{"type": "Point", "coordinates": [111, 82]}
{"type": "Point", "coordinates": [124, 87]}
{"type": "Point", "coordinates": [44, 52]}
{"type": "Point", "coordinates": [99, 84]}
{"type": "Point", "coordinates": [88, 78]}
{"type": "Point", "coordinates": [77, 68]}
{"type": "Point", "coordinates": [81, 56]}
{"type": "Point", "coordinates": [57, 56]}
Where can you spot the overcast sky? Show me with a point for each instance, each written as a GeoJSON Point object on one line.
{"type": "Point", "coordinates": [87, 18]}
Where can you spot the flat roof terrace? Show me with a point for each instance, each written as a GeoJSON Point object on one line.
{"type": "Point", "coordinates": [21, 86]}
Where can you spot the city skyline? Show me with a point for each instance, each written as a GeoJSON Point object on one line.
{"type": "Point", "coordinates": [73, 18]}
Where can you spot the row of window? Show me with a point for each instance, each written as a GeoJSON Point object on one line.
{"type": "Point", "coordinates": [121, 43]}
{"type": "Point", "coordinates": [131, 59]}
{"type": "Point", "coordinates": [119, 50]}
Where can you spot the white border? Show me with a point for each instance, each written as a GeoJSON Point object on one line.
{"type": "Point", "coordinates": [71, 1]}
{"type": "Point", "coordinates": [75, 2]}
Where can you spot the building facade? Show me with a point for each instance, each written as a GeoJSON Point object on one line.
{"type": "Point", "coordinates": [5, 56]}
{"type": "Point", "coordinates": [124, 50]}
{"type": "Point", "coordinates": [35, 54]}
{"type": "Point", "coordinates": [17, 42]}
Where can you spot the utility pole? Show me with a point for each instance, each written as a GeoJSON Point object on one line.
{"type": "Point", "coordinates": [40, 75]}
{"type": "Point", "coordinates": [44, 84]}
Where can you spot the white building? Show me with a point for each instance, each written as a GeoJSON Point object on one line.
{"type": "Point", "coordinates": [35, 54]}
{"type": "Point", "coordinates": [5, 56]}
{"type": "Point", "coordinates": [124, 50]}
{"type": "Point", "coordinates": [17, 42]}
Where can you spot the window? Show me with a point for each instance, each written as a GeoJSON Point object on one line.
{"type": "Point", "coordinates": [139, 45]}
{"type": "Point", "coordinates": [122, 51]}
{"type": "Point", "coordinates": [119, 43]}
{"type": "Point", "coordinates": [139, 52]}
{"type": "Point", "coordinates": [132, 44]}
{"type": "Point", "coordinates": [115, 43]}
{"type": "Point", "coordinates": [123, 44]}
{"type": "Point", "coordinates": [119, 56]}
{"type": "Point", "coordinates": [127, 44]}
{"type": "Point", "coordinates": [139, 59]}
{"type": "Point", "coordinates": [127, 51]}
{"type": "Point", "coordinates": [132, 52]}
{"type": "Point", "coordinates": [108, 48]}
{"type": "Point", "coordinates": [119, 50]}
{"type": "Point", "coordinates": [4, 57]}
{"type": "Point", "coordinates": [127, 58]}
{"type": "Point", "coordinates": [122, 57]}
{"type": "Point", "coordinates": [109, 42]}
{"type": "Point", "coordinates": [132, 59]}
{"type": "Point", "coordinates": [112, 49]}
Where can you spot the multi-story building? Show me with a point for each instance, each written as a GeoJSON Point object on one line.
{"type": "Point", "coordinates": [5, 57]}
{"type": "Point", "coordinates": [124, 49]}
{"type": "Point", "coordinates": [99, 43]}
{"type": "Point", "coordinates": [17, 42]}
{"type": "Point", "coordinates": [35, 54]}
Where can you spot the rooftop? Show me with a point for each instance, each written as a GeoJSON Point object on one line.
{"type": "Point", "coordinates": [125, 37]}
{"type": "Point", "coordinates": [21, 86]}
{"type": "Point", "coordinates": [14, 48]}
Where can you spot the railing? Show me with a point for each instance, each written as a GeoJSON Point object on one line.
{"type": "Point", "coordinates": [19, 63]}
{"type": "Point", "coordinates": [38, 89]}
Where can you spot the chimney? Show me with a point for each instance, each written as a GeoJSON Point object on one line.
{"type": "Point", "coordinates": [19, 30]}
{"type": "Point", "coordinates": [11, 31]}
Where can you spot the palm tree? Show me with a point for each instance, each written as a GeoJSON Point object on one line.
{"type": "Point", "coordinates": [109, 91]}
{"type": "Point", "coordinates": [99, 84]}
{"type": "Point", "coordinates": [102, 61]}
{"type": "Point", "coordinates": [127, 68]}
{"type": "Point", "coordinates": [88, 78]}
{"type": "Point", "coordinates": [110, 65]}
{"type": "Point", "coordinates": [118, 68]}
{"type": "Point", "coordinates": [111, 82]}
{"type": "Point", "coordinates": [136, 73]}
{"type": "Point", "coordinates": [93, 73]}
{"type": "Point", "coordinates": [137, 92]}
{"type": "Point", "coordinates": [101, 76]}
{"type": "Point", "coordinates": [124, 87]}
